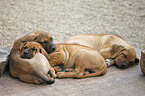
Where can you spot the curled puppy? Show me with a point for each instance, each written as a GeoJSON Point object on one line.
{"type": "Point", "coordinates": [109, 46]}
{"type": "Point", "coordinates": [36, 70]}
{"type": "Point", "coordinates": [80, 59]}
{"type": "Point", "coordinates": [36, 65]}
{"type": "Point", "coordinates": [18, 64]}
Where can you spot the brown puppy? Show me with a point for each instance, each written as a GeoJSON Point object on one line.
{"type": "Point", "coordinates": [74, 56]}
{"type": "Point", "coordinates": [142, 62]}
{"type": "Point", "coordinates": [17, 64]}
{"type": "Point", "coordinates": [80, 58]}
{"type": "Point", "coordinates": [109, 46]}
{"type": "Point", "coordinates": [35, 62]}
{"type": "Point", "coordinates": [29, 49]}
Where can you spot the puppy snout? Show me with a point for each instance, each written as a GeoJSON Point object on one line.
{"type": "Point", "coordinates": [26, 52]}
{"type": "Point", "coordinates": [124, 64]}
{"type": "Point", "coordinates": [53, 48]}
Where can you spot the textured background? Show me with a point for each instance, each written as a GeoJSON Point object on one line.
{"type": "Point", "coordinates": [65, 18]}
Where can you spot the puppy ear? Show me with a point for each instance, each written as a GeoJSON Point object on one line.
{"type": "Point", "coordinates": [40, 51]}
{"type": "Point", "coordinates": [35, 39]}
{"type": "Point", "coordinates": [44, 53]}
{"type": "Point", "coordinates": [116, 49]}
{"type": "Point", "coordinates": [30, 37]}
{"type": "Point", "coordinates": [21, 46]}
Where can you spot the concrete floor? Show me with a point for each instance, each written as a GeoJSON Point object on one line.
{"type": "Point", "coordinates": [116, 82]}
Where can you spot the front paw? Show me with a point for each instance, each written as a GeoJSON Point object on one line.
{"type": "Point", "coordinates": [60, 74]}
{"type": "Point", "coordinates": [54, 75]}
{"type": "Point", "coordinates": [109, 62]}
{"type": "Point", "coordinates": [58, 69]}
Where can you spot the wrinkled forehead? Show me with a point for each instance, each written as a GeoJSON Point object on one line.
{"type": "Point", "coordinates": [130, 54]}
{"type": "Point", "coordinates": [32, 44]}
{"type": "Point", "coordinates": [44, 37]}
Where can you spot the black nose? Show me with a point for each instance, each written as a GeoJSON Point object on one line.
{"type": "Point", "coordinates": [124, 64]}
{"type": "Point", "coordinates": [25, 52]}
{"type": "Point", "coordinates": [53, 48]}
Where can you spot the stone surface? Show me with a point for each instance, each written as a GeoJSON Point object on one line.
{"type": "Point", "coordinates": [65, 18]}
{"type": "Point", "coordinates": [4, 52]}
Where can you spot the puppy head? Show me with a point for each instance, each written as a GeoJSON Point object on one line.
{"type": "Point", "coordinates": [29, 49]}
{"type": "Point", "coordinates": [124, 56]}
{"type": "Point", "coordinates": [43, 38]}
{"type": "Point", "coordinates": [46, 41]}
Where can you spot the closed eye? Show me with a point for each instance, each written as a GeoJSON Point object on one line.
{"type": "Point", "coordinates": [43, 42]}
{"type": "Point", "coordinates": [34, 49]}
{"type": "Point", "coordinates": [130, 62]}
{"type": "Point", "coordinates": [124, 55]}
{"type": "Point", "coordinates": [25, 47]}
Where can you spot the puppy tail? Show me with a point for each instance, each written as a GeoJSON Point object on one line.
{"type": "Point", "coordinates": [100, 73]}
{"type": "Point", "coordinates": [43, 77]}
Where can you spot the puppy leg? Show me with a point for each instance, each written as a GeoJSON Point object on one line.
{"type": "Point", "coordinates": [52, 72]}
{"type": "Point", "coordinates": [56, 69]}
{"type": "Point", "coordinates": [30, 79]}
{"type": "Point", "coordinates": [95, 74]}
{"type": "Point", "coordinates": [86, 60]}
{"type": "Point", "coordinates": [109, 62]}
{"type": "Point", "coordinates": [93, 62]}
{"type": "Point", "coordinates": [77, 72]}
{"type": "Point", "coordinates": [69, 70]}
{"type": "Point", "coordinates": [79, 67]}
{"type": "Point", "coordinates": [106, 53]}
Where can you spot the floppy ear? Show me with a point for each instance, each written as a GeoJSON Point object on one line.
{"type": "Point", "coordinates": [21, 46]}
{"type": "Point", "coordinates": [35, 37]}
{"type": "Point", "coordinates": [116, 49]}
{"type": "Point", "coordinates": [44, 53]}
{"type": "Point", "coordinates": [30, 37]}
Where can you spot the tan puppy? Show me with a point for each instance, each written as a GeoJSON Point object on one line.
{"type": "Point", "coordinates": [109, 46]}
{"type": "Point", "coordinates": [35, 62]}
{"type": "Point", "coordinates": [80, 58]}
{"type": "Point", "coordinates": [142, 62]}
{"type": "Point", "coordinates": [17, 65]}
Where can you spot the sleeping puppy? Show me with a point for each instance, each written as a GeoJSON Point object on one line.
{"type": "Point", "coordinates": [37, 66]}
{"type": "Point", "coordinates": [78, 58]}
{"type": "Point", "coordinates": [17, 64]}
{"type": "Point", "coordinates": [111, 47]}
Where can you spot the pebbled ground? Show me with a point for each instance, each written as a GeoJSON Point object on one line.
{"type": "Point", "coordinates": [65, 18]}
